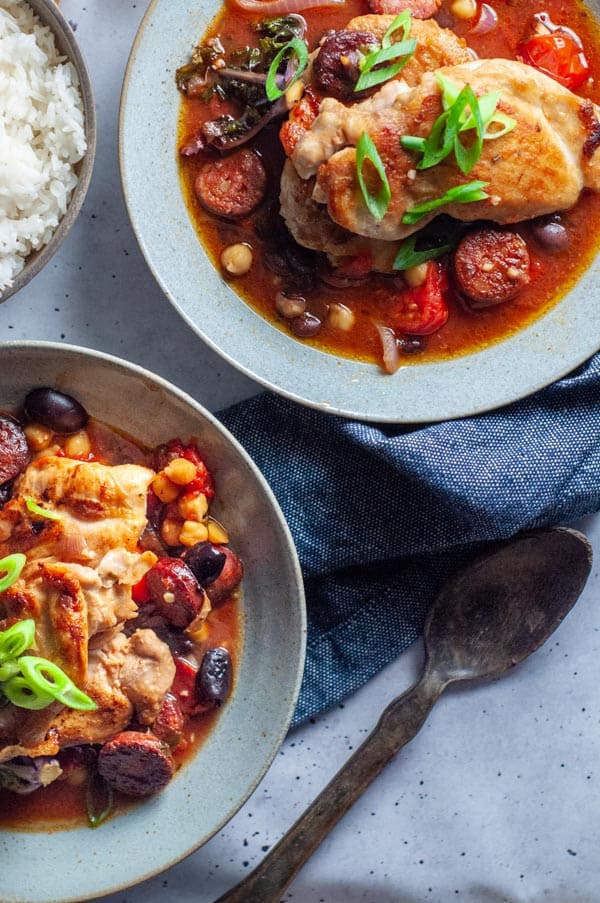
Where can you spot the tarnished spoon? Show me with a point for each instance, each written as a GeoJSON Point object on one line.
{"type": "Point", "coordinates": [487, 618]}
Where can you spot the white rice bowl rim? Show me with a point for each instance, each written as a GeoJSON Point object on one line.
{"type": "Point", "coordinates": [49, 14]}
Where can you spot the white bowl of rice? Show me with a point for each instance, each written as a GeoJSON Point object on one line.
{"type": "Point", "coordinates": [47, 137]}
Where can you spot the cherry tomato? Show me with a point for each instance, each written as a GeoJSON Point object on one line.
{"type": "Point", "coordinates": [558, 55]}
{"type": "Point", "coordinates": [184, 684]}
{"type": "Point", "coordinates": [422, 310]}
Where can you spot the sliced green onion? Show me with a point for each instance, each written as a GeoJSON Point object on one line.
{"type": "Point", "coordinates": [507, 123]}
{"type": "Point", "coordinates": [11, 567]}
{"type": "Point", "coordinates": [16, 639]}
{"type": "Point", "coordinates": [376, 204]}
{"type": "Point", "coordinates": [294, 47]}
{"type": "Point", "coordinates": [462, 111]}
{"type": "Point", "coordinates": [369, 76]}
{"type": "Point", "coordinates": [8, 669]}
{"type": "Point", "coordinates": [18, 691]}
{"type": "Point", "coordinates": [460, 194]}
{"type": "Point", "coordinates": [408, 257]}
{"type": "Point", "coordinates": [33, 506]}
{"type": "Point", "coordinates": [402, 21]}
{"type": "Point", "coordinates": [43, 676]}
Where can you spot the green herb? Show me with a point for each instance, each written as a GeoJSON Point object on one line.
{"type": "Point", "coordinates": [401, 52]}
{"type": "Point", "coordinates": [294, 47]}
{"type": "Point", "coordinates": [40, 682]}
{"type": "Point", "coordinates": [16, 639]}
{"type": "Point", "coordinates": [33, 506]}
{"type": "Point", "coordinates": [11, 567]}
{"type": "Point", "coordinates": [408, 257]}
{"type": "Point", "coordinates": [463, 111]}
{"type": "Point", "coordinates": [376, 204]}
{"type": "Point", "coordinates": [460, 194]}
{"type": "Point", "coordinates": [99, 799]}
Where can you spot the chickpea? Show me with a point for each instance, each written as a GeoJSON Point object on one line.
{"type": "Point", "coordinates": [416, 276]}
{"type": "Point", "coordinates": [341, 317]}
{"type": "Point", "coordinates": [464, 9]}
{"type": "Point", "coordinates": [237, 259]}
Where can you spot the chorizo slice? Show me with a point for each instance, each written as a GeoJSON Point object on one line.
{"type": "Point", "coordinates": [232, 186]}
{"type": "Point", "coordinates": [14, 452]}
{"type": "Point", "coordinates": [136, 764]}
{"type": "Point", "coordinates": [491, 266]}
{"type": "Point", "coordinates": [336, 67]}
{"type": "Point", "coordinates": [174, 591]}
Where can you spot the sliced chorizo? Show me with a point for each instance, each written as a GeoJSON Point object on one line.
{"type": "Point", "coordinates": [14, 452]}
{"type": "Point", "coordinates": [228, 580]}
{"type": "Point", "coordinates": [169, 722]}
{"type": "Point", "coordinates": [136, 764]}
{"type": "Point", "coordinates": [174, 591]}
{"type": "Point", "coordinates": [491, 266]}
{"type": "Point", "coordinates": [336, 66]}
{"type": "Point", "coordinates": [232, 186]}
{"type": "Point", "coordinates": [419, 9]}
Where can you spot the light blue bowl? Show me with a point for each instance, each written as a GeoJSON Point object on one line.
{"type": "Point", "coordinates": [84, 863]}
{"type": "Point", "coordinates": [536, 356]}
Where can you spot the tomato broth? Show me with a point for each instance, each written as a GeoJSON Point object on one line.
{"type": "Point", "coordinates": [553, 273]}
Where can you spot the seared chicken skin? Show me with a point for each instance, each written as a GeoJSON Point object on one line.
{"type": "Point", "coordinates": [539, 167]}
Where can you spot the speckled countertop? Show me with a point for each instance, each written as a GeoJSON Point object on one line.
{"type": "Point", "coordinates": [497, 800]}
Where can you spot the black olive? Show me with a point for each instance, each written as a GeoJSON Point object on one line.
{"type": "Point", "coordinates": [305, 326]}
{"type": "Point", "coordinates": [213, 681]}
{"type": "Point", "coordinates": [57, 411]}
{"type": "Point", "coordinates": [205, 561]}
{"type": "Point", "coordinates": [550, 233]}
{"type": "Point", "coordinates": [6, 490]}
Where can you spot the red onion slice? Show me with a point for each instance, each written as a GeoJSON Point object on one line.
{"type": "Point", "coordinates": [487, 21]}
{"type": "Point", "coordinates": [389, 345]}
{"type": "Point", "coordinates": [281, 7]}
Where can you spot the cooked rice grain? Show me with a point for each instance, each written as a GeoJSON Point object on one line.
{"type": "Point", "coordinates": [41, 136]}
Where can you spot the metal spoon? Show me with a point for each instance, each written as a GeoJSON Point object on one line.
{"type": "Point", "coordinates": [487, 618]}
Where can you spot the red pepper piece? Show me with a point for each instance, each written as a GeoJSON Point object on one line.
{"type": "Point", "coordinates": [422, 310]}
{"type": "Point", "coordinates": [139, 592]}
{"type": "Point", "coordinates": [184, 685]}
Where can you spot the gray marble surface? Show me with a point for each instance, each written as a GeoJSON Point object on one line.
{"type": "Point", "coordinates": [497, 800]}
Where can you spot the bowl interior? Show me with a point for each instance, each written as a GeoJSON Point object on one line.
{"type": "Point", "coordinates": [77, 865]}
{"type": "Point", "coordinates": [49, 13]}
{"type": "Point", "coordinates": [530, 359]}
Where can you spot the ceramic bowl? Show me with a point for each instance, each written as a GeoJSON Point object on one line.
{"type": "Point", "coordinates": [534, 357]}
{"type": "Point", "coordinates": [49, 14]}
{"type": "Point", "coordinates": [82, 864]}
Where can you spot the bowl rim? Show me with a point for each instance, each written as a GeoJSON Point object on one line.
{"type": "Point", "coordinates": [130, 368]}
{"type": "Point", "coordinates": [535, 356]}
{"type": "Point", "coordinates": [65, 38]}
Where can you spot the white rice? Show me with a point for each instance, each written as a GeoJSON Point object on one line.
{"type": "Point", "coordinates": [41, 135]}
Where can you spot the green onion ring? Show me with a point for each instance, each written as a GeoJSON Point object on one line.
{"type": "Point", "coordinates": [15, 640]}
{"type": "Point", "coordinates": [46, 677]}
{"type": "Point", "coordinates": [12, 566]}
{"type": "Point", "coordinates": [300, 49]}
{"type": "Point", "coordinates": [18, 691]}
{"type": "Point", "coordinates": [460, 194]}
{"type": "Point", "coordinates": [376, 204]}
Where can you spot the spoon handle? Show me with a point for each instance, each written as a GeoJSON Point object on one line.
{"type": "Point", "coordinates": [398, 724]}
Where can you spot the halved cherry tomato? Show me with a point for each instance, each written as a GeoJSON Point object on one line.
{"type": "Point", "coordinates": [422, 310]}
{"type": "Point", "coordinates": [558, 55]}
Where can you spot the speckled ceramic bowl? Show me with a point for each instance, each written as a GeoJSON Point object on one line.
{"type": "Point", "coordinates": [49, 13]}
{"type": "Point", "coordinates": [85, 863]}
{"type": "Point", "coordinates": [534, 357]}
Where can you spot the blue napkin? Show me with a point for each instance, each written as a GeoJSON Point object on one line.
{"type": "Point", "coordinates": [381, 514]}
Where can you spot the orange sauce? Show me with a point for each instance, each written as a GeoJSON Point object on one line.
{"type": "Point", "coordinates": [553, 273]}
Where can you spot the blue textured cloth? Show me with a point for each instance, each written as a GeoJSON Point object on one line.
{"type": "Point", "coordinates": [382, 514]}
